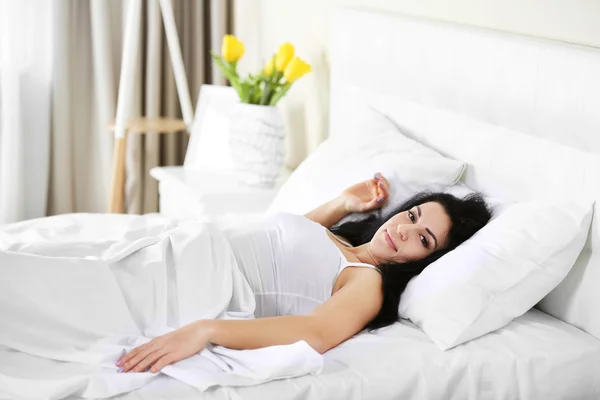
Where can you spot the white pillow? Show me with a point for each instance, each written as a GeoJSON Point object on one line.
{"type": "Point", "coordinates": [498, 274]}
{"type": "Point", "coordinates": [370, 144]}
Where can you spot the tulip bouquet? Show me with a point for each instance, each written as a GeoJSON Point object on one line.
{"type": "Point", "coordinates": [267, 86]}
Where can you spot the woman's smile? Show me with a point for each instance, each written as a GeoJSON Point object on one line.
{"type": "Point", "coordinates": [390, 241]}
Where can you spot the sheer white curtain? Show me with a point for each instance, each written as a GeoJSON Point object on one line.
{"type": "Point", "coordinates": [25, 95]}
{"type": "Point", "coordinates": [82, 106]}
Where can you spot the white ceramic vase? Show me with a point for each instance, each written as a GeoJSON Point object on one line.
{"type": "Point", "coordinates": [257, 143]}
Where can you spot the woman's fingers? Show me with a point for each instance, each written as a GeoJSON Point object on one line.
{"type": "Point", "coordinates": [149, 360]}
{"type": "Point", "coordinates": [379, 177]}
{"type": "Point", "coordinates": [131, 363]}
{"type": "Point", "coordinates": [383, 190]}
{"type": "Point", "coordinates": [132, 354]}
{"type": "Point", "coordinates": [375, 195]}
{"type": "Point", "coordinates": [163, 362]}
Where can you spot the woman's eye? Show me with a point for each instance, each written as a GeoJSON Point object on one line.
{"type": "Point", "coordinates": [411, 215]}
{"type": "Point", "coordinates": [424, 241]}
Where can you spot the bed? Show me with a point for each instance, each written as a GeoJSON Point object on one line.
{"type": "Point", "coordinates": [540, 101]}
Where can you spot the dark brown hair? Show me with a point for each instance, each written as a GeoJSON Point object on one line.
{"type": "Point", "coordinates": [467, 216]}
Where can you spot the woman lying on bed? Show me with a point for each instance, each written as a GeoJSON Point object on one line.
{"type": "Point", "coordinates": [325, 285]}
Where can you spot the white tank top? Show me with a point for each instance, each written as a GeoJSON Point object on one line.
{"type": "Point", "coordinates": [290, 262]}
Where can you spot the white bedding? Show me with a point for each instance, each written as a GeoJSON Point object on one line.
{"type": "Point", "coordinates": [534, 357]}
{"type": "Point", "coordinates": [77, 290]}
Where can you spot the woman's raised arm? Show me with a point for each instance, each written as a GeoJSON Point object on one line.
{"type": "Point", "coordinates": [361, 197]}
{"type": "Point", "coordinates": [330, 213]}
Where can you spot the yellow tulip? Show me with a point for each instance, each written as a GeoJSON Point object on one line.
{"type": "Point", "coordinates": [296, 69]}
{"type": "Point", "coordinates": [232, 49]}
{"type": "Point", "coordinates": [269, 67]}
{"type": "Point", "coordinates": [284, 55]}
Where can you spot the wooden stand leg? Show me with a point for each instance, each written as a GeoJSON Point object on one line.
{"type": "Point", "coordinates": [124, 101]}
{"type": "Point", "coordinates": [126, 91]}
{"type": "Point", "coordinates": [117, 191]}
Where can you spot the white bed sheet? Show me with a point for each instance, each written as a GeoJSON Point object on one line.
{"type": "Point", "coordinates": [534, 357]}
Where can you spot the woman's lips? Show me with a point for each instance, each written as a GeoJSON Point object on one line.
{"type": "Point", "coordinates": [388, 238]}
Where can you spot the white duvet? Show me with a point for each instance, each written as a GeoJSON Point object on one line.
{"type": "Point", "coordinates": [81, 288]}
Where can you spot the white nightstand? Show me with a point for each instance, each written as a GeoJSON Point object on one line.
{"type": "Point", "coordinates": [186, 193]}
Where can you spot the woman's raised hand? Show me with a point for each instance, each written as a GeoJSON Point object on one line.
{"type": "Point", "coordinates": [366, 196]}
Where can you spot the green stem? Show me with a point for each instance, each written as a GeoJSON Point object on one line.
{"type": "Point", "coordinates": [264, 100]}
{"type": "Point", "coordinates": [282, 91]}
{"type": "Point", "coordinates": [230, 72]}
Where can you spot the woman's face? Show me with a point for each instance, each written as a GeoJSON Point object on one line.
{"type": "Point", "coordinates": [411, 235]}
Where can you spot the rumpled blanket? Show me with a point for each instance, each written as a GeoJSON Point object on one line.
{"type": "Point", "coordinates": [82, 288]}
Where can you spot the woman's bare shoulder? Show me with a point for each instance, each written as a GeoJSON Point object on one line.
{"type": "Point", "coordinates": [353, 274]}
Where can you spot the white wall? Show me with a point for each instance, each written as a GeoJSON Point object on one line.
{"type": "Point", "coordinates": [305, 23]}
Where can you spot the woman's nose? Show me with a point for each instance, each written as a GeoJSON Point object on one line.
{"type": "Point", "coordinates": [405, 231]}
{"type": "Point", "coordinates": [402, 232]}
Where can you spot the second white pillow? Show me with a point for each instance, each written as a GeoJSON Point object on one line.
{"type": "Point", "coordinates": [371, 144]}
{"type": "Point", "coordinates": [498, 274]}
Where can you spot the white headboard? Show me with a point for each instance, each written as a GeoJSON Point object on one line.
{"type": "Point", "coordinates": [523, 112]}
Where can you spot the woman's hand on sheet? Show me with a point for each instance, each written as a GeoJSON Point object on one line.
{"type": "Point", "coordinates": [366, 196]}
{"type": "Point", "coordinates": [166, 349]}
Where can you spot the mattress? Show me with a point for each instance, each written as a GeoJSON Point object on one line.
{"type": "Point", "coordinates": [534, 357]}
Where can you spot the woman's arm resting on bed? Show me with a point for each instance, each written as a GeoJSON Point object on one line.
{"type": "Point", "coordinates": [339, 318]}
{"type": "Point", "coordinates": [349, 310]}
{"type": "Point", "coordinates": [235, 334]}
{"type": "Point", "coordinates": [364, 196]}
{"type": "Point", "coordinates": [263, 332]}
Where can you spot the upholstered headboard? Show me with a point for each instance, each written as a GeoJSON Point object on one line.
{"type": "Point", "coordinates": [524, 113]}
